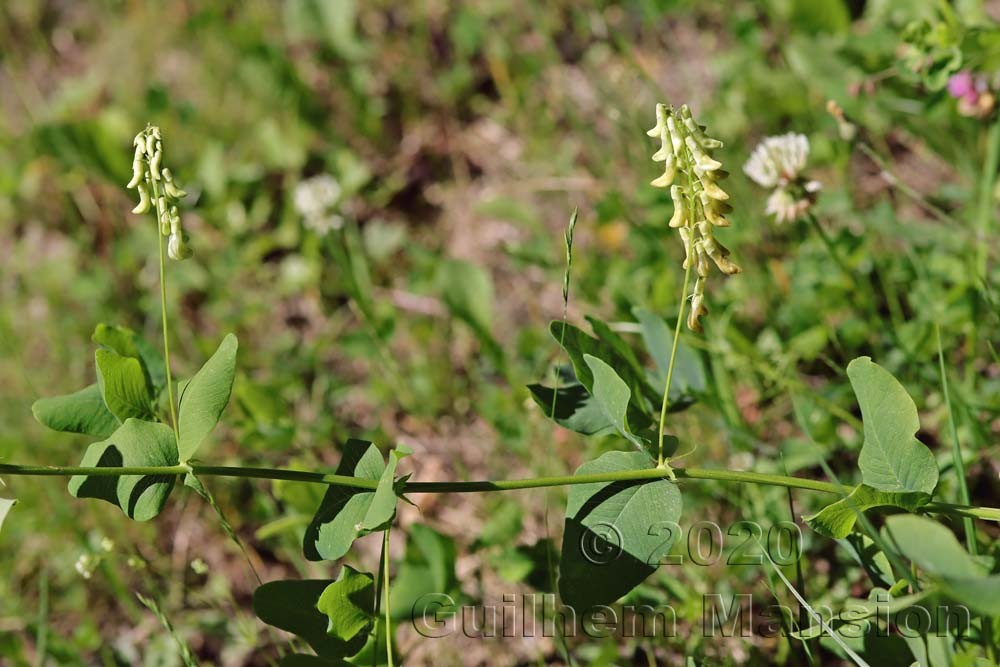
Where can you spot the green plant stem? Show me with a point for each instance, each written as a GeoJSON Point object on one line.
{"type": "Point", "coordinates": [830, 248]}
{"type": "Point", "coordinates": [984, 212]}
{"type": "Point", "coordinates": [163, 311]}
{"type": "Point", "coordinates": [670, 364]}
{"type": "Point", "coordinates": [645, 475]}
{"type": "Point", "coordinates": [385, 574]}
{"type": "Point", "coordinates": [963, 486]}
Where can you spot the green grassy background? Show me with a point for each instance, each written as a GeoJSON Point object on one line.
{"type": "Point", "coordinates": [462, 137]}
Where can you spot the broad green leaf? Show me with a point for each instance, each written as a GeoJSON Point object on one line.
{"type": "Point", "coordinates": [936, 550]}
{"type": "Point", "coordinates": [116, 338]}
{"type": "Point", "coordinates": [837, 519]}
{"type": "Point", "coordinates": [204, 397]}
{"type": "Point", "coordinates": [575, 408]}
{"type": "Point", "coordinates": [612, 395]}
{"type": "Point", "coordinates": [128, 343]}
{"type": "Point", "coordinates": [81, 412]}
{"type": "Point", "coordinates": [931, 546]}
{"type": "Point", "coordinates": [428, 568]}
{"type": "Point", "coordinates": [292, 606]}
{"type": "Point", "coordinates": [689, 374]}
{"type": "Point", "coordinates": [348, 603]}
{"type": "Point", "coordinates": [576, 343]}
{"type": "Point", "coordinates": [124, 386]}
{"type": "Point", "coordinates": [340, 517]}
{"type": "Point", "coordinates": [383, 503]}
{"type": "Point", "coordinates": [136, 443]}
{"type": "Point", "coordinates": [605, 333]}
{"type": "Point", "coordinates": [616, 532]}
{"type": "Point", "coordinates": [891, 459]}
{"type": "Point", "coordinates": [5, 506]}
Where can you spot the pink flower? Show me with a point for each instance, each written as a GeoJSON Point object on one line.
{"type": "Point", "coordinates": [963, 86]}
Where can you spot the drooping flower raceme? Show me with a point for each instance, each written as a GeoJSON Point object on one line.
{"type": "Point", "coordinates": [778, 163]}
{"type": "Point", "coordinates": [156, 189]}
{"type": "Point", "coordinates": [699, 202]}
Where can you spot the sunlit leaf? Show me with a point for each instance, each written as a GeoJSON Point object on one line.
{"type": "Point", "coordinates": [891, 459]}
{"type": "Point", "coordinates": [348, 603]}
{"type": "Point", "coordinates": [124, 385]}
{"type": "Point", "coordinates": [292, 606]}
{"type": "Point", "coordinates": [383, 503]}
{"type": "Point", "coordinates": [837, 519]}
{"type": "Point", "coordinates": [341, 514]}
{"type": "Point", "coordinates": [612, 395]}
{"type": "Point", "coordinates": [204, 397]}
{"type": "Point", "coordinates": [80, 412]}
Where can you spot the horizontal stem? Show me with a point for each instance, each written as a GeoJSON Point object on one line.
{"type": "Point", "coordinates": [645, 475]}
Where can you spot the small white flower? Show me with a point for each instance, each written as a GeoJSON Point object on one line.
{"type": "Point", "coordinates": [778, 163]}
{"type": "Point", "coordinates": [778, 160]}
{"type": "Point", "coordinates": [85, 565]}
{"type": "Point", "coordinates": [315, 195]}
{"type": "Point", "coordinates": [323, 224]}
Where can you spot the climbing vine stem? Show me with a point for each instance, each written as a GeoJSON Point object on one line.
{"type": "Point", "coordinates": [638, 476]}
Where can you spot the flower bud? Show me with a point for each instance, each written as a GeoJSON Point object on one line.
{"type": "Point", "coordinates": [178, 248]}
{"type": "Point", "coordinates": [680, 217]}
{"type": "Point", "coordinates": [154, 164]}
{"type": "Point", "coordinates": [170, 189]}
{"type": "Point", "coordinates": [715, 210]}
{"type": "Point", "coordinates": [712, 190]}
{"type": "Point", "coordinates": [697, 306]}
{"type": "Point", "coordinates": [702, 162]}
{"type": "Point", "coordinates": [143, 205]}
{"type": "Point", "coordinates": [137, 173]}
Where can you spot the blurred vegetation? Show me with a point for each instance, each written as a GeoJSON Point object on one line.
{"type": "Point", "coordinates": [447, 144]}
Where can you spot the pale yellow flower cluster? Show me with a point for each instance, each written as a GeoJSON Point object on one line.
{"type": "Point", "coordinates": [156, 188]}
{"type": "Point", "coordinates": [700, 204]}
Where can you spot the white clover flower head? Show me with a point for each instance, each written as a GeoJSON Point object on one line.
{"type": "Point", "coordinates": [315, 197]}
{"type": "Point", "coordinates": [778, 160]}
{"type": "Point", "coordinates": [778, 163]}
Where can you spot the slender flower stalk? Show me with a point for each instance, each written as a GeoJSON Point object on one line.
{"type": "Point", "coordinates": [157, 192]}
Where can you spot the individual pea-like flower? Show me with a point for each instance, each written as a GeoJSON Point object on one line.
{"type": "Point", "coordinates": [700, 203]}
{"type": "Point", "coordinates": [973, 94]}
{"type": "Point", "coordinates": [778, 163]}
{"type": "Point", "coordinates": [157, 191]}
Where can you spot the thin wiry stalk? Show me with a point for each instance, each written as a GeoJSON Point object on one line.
{"type": "Point", "coordinates": [163, 312]}
{"type": "Point", "coordinates": [963, 486]}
